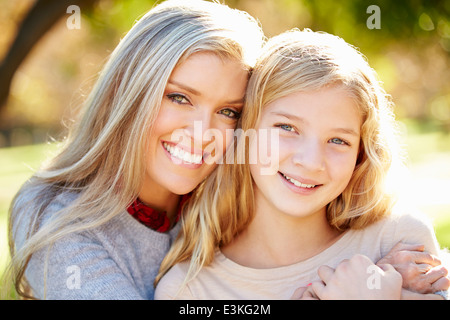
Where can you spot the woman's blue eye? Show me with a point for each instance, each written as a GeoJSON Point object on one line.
{"type": "Point", "coordinates": [178, 98]}
{"type": "Point", "coordinates": [230, 113]}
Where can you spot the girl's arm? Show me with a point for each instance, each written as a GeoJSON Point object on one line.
{"type": "Point", "coordinates": [358, 278]}
{"type": "Point", "coordinates": [354, 279]}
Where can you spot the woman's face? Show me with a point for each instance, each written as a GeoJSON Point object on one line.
{"type": "Point", "coordinates": [202, 102]}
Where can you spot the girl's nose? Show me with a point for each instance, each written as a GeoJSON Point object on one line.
{"type": "Point", "coordinates": [310, 155]}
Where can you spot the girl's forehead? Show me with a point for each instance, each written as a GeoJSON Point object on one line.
{"type": "Point", "coordinates": [327, 105]}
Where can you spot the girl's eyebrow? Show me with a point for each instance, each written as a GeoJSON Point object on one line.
{"type": "Point", "coordinates": [296, 118]}
{"type": "Point", "coordinates": [346, 131]}
{"type": "Point", "coordinates": [287, 115]}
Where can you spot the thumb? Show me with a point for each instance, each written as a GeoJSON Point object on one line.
{"type": "Point", "coordinates": [386, 267]}
{"type": "Point", "coordinates": [298, 293]}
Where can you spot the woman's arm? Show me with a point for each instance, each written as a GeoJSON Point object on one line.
{"type": "Point", "coordinates": [77, 268]}
{"type": "Point", "coordinates": [421, 271]}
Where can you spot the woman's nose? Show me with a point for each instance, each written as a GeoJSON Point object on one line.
{"type": "Point", "coordinates": [198, 127]}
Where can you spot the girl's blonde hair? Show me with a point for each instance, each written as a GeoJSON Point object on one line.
{"type": "Point", "coordinates": [104, 155]}
{"type": "Point", "coordinates": [291, 62]}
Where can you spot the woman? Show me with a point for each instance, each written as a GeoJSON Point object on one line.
{"type": "Point", "coordinates": [134, 149]}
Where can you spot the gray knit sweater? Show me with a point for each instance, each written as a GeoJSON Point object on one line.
{"type": "Point", "coordinates": [118, 260]}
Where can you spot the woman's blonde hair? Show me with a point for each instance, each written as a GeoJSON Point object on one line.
{"type": "Point", "coordinates": [104, 155]}
{"type": "Point", "coordinates": [291, 62]}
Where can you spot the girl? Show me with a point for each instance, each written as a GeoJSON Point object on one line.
{"type": "Point", "coordinates": [74, 230]}
{"type": "Point", "coordinates": [269, 229]}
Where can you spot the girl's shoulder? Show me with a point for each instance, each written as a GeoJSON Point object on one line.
{"type": "Point", "coordinates": [401, 219]}
{"type": "Point", "coordinates": [408, 225]}
{"type": "Point", "coordinates": [172, 284]}
{"type": "Point", "coordinates": [407, 219]}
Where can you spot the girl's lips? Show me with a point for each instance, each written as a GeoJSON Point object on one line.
{"type": "Point", "coordinates": [299, 185]}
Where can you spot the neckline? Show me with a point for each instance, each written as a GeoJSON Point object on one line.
{"type": "Point", "coordinates": [281, 272]}
{"type": "Point", "coordinates": [155, 219]}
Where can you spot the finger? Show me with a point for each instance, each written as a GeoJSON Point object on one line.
{"type": "Point", "coordinates": [423, 268]}
{"type": "Point", "coordinates": [436, 273]}
{"type": "Point", "coordinates": [318, 287]}
{"type": "Point", "coordinates": [325, 273]}
{"type": "Point", "coordinates": [299, 293]}
{"type": "Point", "coordinates": [408, 247]}
{"type": "Point", "coordinates": [393, 274]}
{"type": "Point", "coordinates": [401, 247]}
{"type": "Point", "coordinates": [310, 294]}
{"type": "Point", "coordinates": [386, 267]}
{"type": "Point", "coordinates": [425, 257]}
{"type": "Point", "coordinates": [442, 284]}
{"type": "Point", "coordinates": [410, 295]}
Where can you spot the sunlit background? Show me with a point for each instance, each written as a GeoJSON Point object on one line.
{"type": "Point", "coordinates": [410, 51]}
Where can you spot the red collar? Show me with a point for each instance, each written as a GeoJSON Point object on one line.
{"type": "Point", "coordinates": [156, 220]}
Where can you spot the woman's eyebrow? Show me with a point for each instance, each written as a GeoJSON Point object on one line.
{"type": "Point", "coordinates": [198, 93]}
{"type": "Point", "coordinates": [185, 87]}
{"type": "Point", "coordinates": [237, 101]}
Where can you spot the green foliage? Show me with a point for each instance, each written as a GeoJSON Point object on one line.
{"type": "Point", "coordinates": [410, 52]}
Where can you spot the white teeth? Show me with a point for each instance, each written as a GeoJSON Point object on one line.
{"type": "Point", "coordinates": [298, 183]}
{"type": "Point", "coordinates": [183, 155]}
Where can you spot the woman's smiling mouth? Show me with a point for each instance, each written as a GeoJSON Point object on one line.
{"type": "Point", "coordinates": [183, 155]}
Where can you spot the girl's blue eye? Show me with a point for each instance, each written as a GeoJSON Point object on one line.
{"type": "Point", "coordinates": [230, 113]}
{"type": "Point", "coordinates": [285, 127]}
{"type": "Point", "coordinates": [338, 141]}
{"type": "Point", "coordinates": [178, 98]}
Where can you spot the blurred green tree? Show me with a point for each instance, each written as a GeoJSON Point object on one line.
{"type": "Point", "coordinates": [410, 50]}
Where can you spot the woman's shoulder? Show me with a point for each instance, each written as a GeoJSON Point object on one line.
{"type": "Point", "coordinates": [33, 205]}
{"type": "Point", "coordinates": [32, 194]}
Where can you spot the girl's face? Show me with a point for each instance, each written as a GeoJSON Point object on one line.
{"type": "Point", "coordinates": [202, 102]}
{"type": "Point", "coordinates": [319, 135]}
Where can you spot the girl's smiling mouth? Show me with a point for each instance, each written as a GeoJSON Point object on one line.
{"type": "Point", "coordinates": [295, 182]}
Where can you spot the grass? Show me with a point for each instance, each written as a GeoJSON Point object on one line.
{"type": "Point", "coordinates": [16, 166]}
{"type": "Point", "coordinates": [429, 154]}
